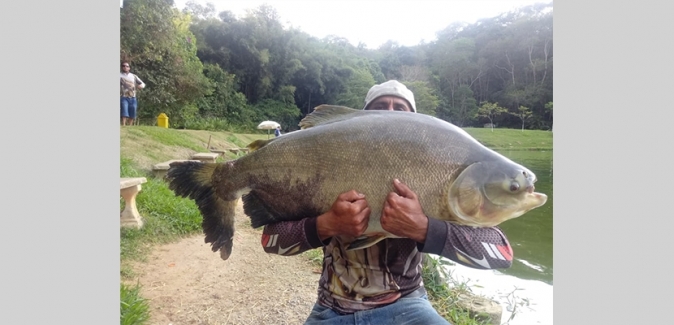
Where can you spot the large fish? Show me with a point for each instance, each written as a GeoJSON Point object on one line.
{"type": "Point", "coordinates": [301, 173]}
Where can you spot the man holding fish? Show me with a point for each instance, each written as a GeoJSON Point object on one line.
{"type": "Point", "coordinates": [382, 283]}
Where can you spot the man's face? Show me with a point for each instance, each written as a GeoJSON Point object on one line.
{"type": "Point", "coordinates": [389, 103]}
{"type": "Point", "coordinates": [125, 67]}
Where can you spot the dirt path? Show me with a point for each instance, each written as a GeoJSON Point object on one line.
{"type": "Point", "coordinates": [186, 283]}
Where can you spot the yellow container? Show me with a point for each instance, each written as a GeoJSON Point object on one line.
{"type": "Point", "coordinates": [162, 121]}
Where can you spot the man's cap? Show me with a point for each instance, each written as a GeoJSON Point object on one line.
{"type": "Point", "coordinates": [390, 88]}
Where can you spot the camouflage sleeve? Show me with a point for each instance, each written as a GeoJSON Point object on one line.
{"type": "Point", "coordinates": [480, 248]}
{"type": "Point", "coordinates": [291, 237]}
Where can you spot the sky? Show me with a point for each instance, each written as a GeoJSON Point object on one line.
{"type": "Point", "coordinates": [374, 22]}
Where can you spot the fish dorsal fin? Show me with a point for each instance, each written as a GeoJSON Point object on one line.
{"type": "Point", "coordinates": [325, 114]}
{"type": "Point", "coordinates": [257, 144]}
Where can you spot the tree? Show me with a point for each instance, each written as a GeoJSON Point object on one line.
{"type": "Point", "coordinates": [155, 38]}
{"type": "Point", "coordinates": [461, 108]}
{"type": "Point", "coordinates": [222, 100]}
{"type": "Point", "coordinates": [424, 96]}
{"type": "Point", "coordinates": [199, 11]}
{"type": "Point", "coordinates": [356, 88]}
{"type": "Point", "coordinates": [252, 67]}
{"type": "Point", "coordinates": [491, 111]}
{"type": "Point", "coordinates": [456, 71]}
{"type": "Point", "coordinates": [284, 113]}
{"type": "Point", "coordinates": [548, 108]}
{"type": "Point", "coordinates": [523, 113]}
{"type": "Point", "coordinates": [506, 59]}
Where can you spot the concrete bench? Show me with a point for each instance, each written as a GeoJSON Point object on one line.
{"type": "Point", "coordinates": [128, 189]}
{"type": "Point", "coordinates": [220, 152]}
{"type": "Point", "coordinates": [235, 151]}
{"type": "Point", "coordinates": [205, 156]}
{"type": "Point", "coordinates": [161, 169]}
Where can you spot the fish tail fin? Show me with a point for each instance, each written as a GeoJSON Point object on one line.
{"type": "Point", "coordinates": [365, 242]}
{"type": "Point", "coordinates": [194, 180]}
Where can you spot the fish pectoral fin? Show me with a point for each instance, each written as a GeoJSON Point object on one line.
{"type": "Point", "coordinates": [254, 208]}
{"type": "Point", "coordinates": [365, 242]}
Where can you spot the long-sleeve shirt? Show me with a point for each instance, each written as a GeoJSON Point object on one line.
{"type": "Point", "coordinates": [380, 274]}
{"type": "Point", "coordinates": [127, 84]}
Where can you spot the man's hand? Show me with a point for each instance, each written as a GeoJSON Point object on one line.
{"type": "Point", "coordinates": [348, 215]}
{"type": "Point", "coordinates": [402, 214]}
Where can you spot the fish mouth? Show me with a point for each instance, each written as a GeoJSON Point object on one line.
{"type": "Point", "coordinates": [538, 198]}
{"type": "Point", "coordinates": [528, 201]}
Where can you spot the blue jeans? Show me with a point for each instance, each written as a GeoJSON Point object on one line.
{"type": "Point", "coordinates": [405, 311]}
{"type": "Point", "coordinates": [128, 107]}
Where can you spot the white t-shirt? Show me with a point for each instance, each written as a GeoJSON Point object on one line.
{"type": "Point", "coordinates": [128, 82]}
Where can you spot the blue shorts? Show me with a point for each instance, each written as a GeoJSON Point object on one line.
{"type": "Point", "coordinates": [128, 107]}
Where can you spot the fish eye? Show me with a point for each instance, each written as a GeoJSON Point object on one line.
{"type": "Point", "coordinates": [514, 186]}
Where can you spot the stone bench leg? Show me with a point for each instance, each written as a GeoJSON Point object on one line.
{"type": "Point", "coordinates": [161, 174]}
{"type": "Point", "coordinates": [130, 216]}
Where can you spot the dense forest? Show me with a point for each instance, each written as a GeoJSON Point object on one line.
{"type": "Point", "coordinates": [210, 70]}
